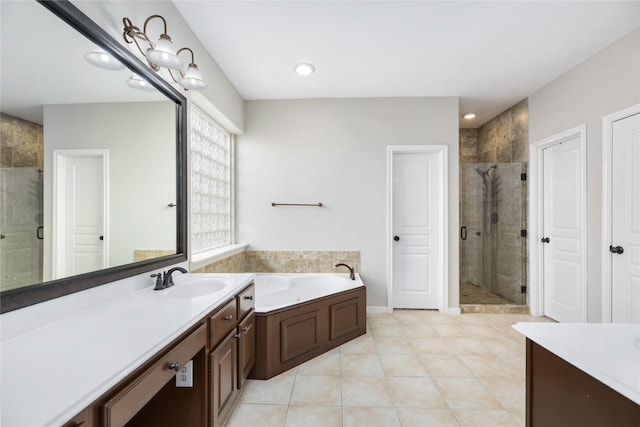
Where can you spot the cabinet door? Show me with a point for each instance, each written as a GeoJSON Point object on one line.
{"type": "Point", "coordinates": [224, 379]}
{"type": "Point", "coordinates": [246, 347]}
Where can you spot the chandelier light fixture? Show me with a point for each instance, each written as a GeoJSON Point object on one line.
{"type": "Point", "coordinates": [162, 54]}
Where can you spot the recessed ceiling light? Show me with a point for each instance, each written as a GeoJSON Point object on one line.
{"type": "Point", "coordinates": [304, 69]}
{"type": "Point", "coordinates": [470, 116]}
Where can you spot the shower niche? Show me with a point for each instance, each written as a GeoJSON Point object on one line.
{"type": "Point", "coordinates": [493, 233]}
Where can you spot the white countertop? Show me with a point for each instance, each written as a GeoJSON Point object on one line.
{"type": "Point", "coordinates": [609, 352]}
{"type": "Point", "coordinates": [52, 372]}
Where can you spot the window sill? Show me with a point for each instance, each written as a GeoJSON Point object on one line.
{"type": "Point", "coordinates": [205, 258]}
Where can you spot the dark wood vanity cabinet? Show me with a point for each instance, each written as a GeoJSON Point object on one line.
{"type": "Point", "coordinates": [561, 395]}
{"type": "Point", "coordinates": [233, 357]}
{"type": "Point", "coordinates": [222, 347]}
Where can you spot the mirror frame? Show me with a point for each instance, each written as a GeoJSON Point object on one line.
{"type": "Point", "coordinates": [33, 294]}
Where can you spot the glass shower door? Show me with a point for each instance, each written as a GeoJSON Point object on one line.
{"type": "Point", "coordinates": [493, 246]}
{"type": "Point", "coordinates": [21, 230]}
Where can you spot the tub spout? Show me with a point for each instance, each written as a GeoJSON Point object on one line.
{"type": "Point", "coordinates": [352, 274]}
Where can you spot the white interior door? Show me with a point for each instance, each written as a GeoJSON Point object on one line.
{"type": "Point", "coordinates": [625, 220]}
{"type": "Point", "coordinates": [564, 285]}
{"type": "Point", "coordinates": [81, 212]}
{"type": "Point", "coordinates": [417, 196]}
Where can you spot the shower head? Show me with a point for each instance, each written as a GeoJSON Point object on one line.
{"type": "Point", "coordinates": [485, 173]}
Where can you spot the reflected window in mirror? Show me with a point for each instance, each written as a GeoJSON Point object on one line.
{"type": "Point", "coordinates": [211, 184]}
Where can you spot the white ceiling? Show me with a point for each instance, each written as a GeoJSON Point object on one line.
{"type": "Point", "coordinates": [45, 65]}
{"type": "Point", "coordinates": [491, 54]}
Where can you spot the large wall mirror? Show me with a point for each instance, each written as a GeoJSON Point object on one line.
{"type": "Point", "coordinates": [92, 179]}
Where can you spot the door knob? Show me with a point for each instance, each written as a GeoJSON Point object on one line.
{"type": "Point", "coordinates": [396, 238]}
{"type": "Point", "coordinates": [616, 249]}
{"type": "Point", "coordinates": [546, 240]}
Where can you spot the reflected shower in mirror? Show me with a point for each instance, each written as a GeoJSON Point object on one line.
{"type": "Point", "coordinates": [88, 164]}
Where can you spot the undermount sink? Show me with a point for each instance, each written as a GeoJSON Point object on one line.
{"type": "Point", "coordinates": [196, 288]}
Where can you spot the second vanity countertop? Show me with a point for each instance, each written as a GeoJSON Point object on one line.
{"type": "Point", "coordinates": [53, 372]}
{"type": "Point", "coordinates": [609, 352]}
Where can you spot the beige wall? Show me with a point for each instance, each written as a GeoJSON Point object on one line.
{"type": "Point", "coordinates": [604, 84]}
{"type": "Point", "coordinates": [334, 151]}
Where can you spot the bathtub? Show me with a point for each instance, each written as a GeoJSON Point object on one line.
{"type": "Point", "coordinates": [278, 290]}
{"type": "Point", "coordinates": [300, 316]}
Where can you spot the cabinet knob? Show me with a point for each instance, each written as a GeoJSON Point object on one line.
{"type": "Point", "coordinates": [249, 297]}
{"type": "Point", "coordinates": [228, 317]}
{"type": "Point", "coordinates": [175, 366]}
{"type": "Point", "coordinates": [244, 328]}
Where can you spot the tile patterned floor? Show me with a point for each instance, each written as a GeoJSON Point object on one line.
{"type": "Point", "coordinates": [412, 368]}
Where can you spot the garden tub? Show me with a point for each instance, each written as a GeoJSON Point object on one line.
{"type": "Point", "coordinates": [302, 315]}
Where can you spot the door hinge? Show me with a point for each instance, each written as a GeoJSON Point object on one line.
{"type": "Point", "coordinates": [523, 289]}
{"type": "Point", "coordinates": [523, 233]}
{"type": "Point", "coordinates": [523, 177]}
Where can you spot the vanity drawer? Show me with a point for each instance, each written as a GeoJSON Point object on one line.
{"type": "Point", "coordinates": [222, 322]}
{"type": "Point", "coordinates": [246, 300]}
{"type": "Point", "coordinates": [118, 410]}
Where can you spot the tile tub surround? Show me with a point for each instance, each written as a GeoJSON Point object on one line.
{"type": "Point", "coordinates": [285, 262]}
{"type": "Point", "coordinates": [412, 368]}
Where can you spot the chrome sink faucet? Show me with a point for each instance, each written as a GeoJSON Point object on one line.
{"type": "Point", "coordinates": [352, 274]}
{"type": "Point", "coordinates": [165, 280]}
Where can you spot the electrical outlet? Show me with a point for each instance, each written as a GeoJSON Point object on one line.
{"type": "Point", "coordinates": [184, 377]}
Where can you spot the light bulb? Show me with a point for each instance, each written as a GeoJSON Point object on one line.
{"type": "Point", "coordinates": [163, 54]}
{"type": "Point", "coordinates": [193, 78]}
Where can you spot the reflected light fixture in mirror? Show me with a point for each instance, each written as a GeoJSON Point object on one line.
{"type": "Point", "coordinates": [161, 54]}
{"type": "Point", "coordinates": [137, 82]}
{"type": "Point", "coordinates": [103, 60]}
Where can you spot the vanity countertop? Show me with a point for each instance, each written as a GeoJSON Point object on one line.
{"type": "Point", "coordinates": [51, 373]}
{"type": "Point", "coordinates": [608, 352]}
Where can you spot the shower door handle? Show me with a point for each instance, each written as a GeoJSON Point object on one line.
{"type": "Point", "coordinates": [39, 234]}
{"type": "Point", "coordinates": [546, 240]}
{"type": "Point", "coordinates": [463, 232]}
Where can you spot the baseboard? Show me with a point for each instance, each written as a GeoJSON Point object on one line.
{"type": "Point", "coordinates": [453, 310]}
{"type": "Point", "coordinates": [375, 309]}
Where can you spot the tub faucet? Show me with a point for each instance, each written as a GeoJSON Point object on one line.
{"type": "Point", "coordinates": [352, 274]}
{"type": "Point", "coordinates": [167, 280]}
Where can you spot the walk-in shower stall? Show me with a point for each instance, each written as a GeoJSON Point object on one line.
{"type": "Point", "coordinates": [493, 233]}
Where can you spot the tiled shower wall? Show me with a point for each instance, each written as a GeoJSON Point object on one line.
{"type": "Point", "coordinates": [21, 143]}
{"type": "Point", "coordinates": [496, 261]}
{"type": "Point", "coordinates": [503, 139]}
{"type": "Point", "coordinates": [285, 262]}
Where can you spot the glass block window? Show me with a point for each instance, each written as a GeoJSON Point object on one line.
{"type": "Point", "coordinates": [211, 160]}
